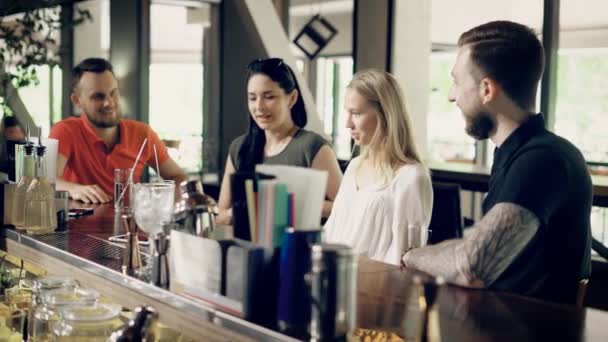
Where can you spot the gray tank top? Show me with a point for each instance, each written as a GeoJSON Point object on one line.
{"type": "Point", "coordinates": [300, 151]}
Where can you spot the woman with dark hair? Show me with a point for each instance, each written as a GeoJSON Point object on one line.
{"type": "Point", "coordinates": [276, 134]}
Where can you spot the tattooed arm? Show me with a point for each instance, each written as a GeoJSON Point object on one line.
{"type": "Point", "coordinates": [480, 257]}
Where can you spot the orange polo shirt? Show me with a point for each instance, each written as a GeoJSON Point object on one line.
{"type": "Point", "coordinates": [90, 162]}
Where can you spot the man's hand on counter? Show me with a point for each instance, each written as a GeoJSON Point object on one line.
{"type": "Point", "coordinates": [84, 193]}
{"type": "Point", "coordinates": [89, 194]}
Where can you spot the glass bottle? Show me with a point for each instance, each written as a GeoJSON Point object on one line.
{"type": "Point", "coordinates": [39, 287]}
{"type": "Point", "coordinates": [40, 212]}
{"type": "Point", "coordinates": [87, 323]}
{"type": "Point", "coordinates": [47, 313]}
{"type": "Point", "coordinates": [29, 173]}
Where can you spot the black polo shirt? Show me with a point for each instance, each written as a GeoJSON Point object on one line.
{"type": "Point", "coordinates": [547, 175]}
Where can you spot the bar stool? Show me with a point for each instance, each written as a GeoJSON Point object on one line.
{"type": "Point", "coordinates": [446, 218]}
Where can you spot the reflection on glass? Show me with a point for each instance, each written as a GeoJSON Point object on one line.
{"type": "Point", "coordinates": [87, 323]}
{"type": "Point", "coordinates": [11, 330]}
{"type": "Point", "coordinates": [46, 314]}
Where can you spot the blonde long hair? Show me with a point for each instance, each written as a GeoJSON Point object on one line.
{"type": "Point", "coordinates": [393, 143]}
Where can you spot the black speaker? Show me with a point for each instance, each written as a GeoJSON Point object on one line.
{"type": "Point", "coordinates": [314, 36]}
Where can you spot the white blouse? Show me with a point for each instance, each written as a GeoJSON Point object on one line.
{"type": "Point", "coordinates": [382, 221]}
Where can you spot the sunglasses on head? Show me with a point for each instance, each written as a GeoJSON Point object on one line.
{"type": "Point", "coordinates": [273, 62]}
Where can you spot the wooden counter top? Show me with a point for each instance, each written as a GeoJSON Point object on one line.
{"type": "Point", "coordinates": [387, 302]}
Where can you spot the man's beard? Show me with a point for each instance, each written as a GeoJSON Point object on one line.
{"type": "Point", "coordinates": [480, 126]}
{"type": "Point", "coordinates": [103, 123]}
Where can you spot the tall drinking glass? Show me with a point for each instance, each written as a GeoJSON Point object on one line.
{"type": "Point", "coordinates": [153, 205]}
{"type": "Point", "coordinates": [153, 209]}
{"type": "Point", "coordinates": [123, 190]}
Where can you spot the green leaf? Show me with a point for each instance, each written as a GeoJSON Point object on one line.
{"type": "Point", "coordinates": [29, 43]}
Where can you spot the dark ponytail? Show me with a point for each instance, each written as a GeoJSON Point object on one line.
{"type": "Point", "coordinates": [251, 152]}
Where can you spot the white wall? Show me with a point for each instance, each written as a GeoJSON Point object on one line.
{"type": "Point", "coordinates": [87, 36]}
{"type": "Point", "coordinates": [410, 61]}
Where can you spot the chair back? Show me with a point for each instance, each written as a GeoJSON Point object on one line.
{"type": "Point", "coordinates": [446, 218]}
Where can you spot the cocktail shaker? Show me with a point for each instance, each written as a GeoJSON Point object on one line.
{"type": "Point", "coordinates": [333, 286]}
{"type": "Point", "coordinates": [196, 211]}
{"type": "Point", "coordinates": [294, 304]}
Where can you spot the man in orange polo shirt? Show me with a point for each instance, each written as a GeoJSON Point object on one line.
{"type": "Point", "coordinates": [100, 140]}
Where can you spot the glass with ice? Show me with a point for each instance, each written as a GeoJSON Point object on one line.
{"type": "Point", "coordinates": [153, 210]}
{"type": "Point", "coordinates": [153, 205]}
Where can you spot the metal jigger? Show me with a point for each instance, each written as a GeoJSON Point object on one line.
{"type": "Point", "coordinates": [131, 259]}
{"type": "Point", "coordinates": [160, 261]}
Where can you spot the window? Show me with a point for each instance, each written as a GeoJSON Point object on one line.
{"type": "Point", "coordinates": [176, 110]}
{"type": "Point", "coordinates": [333, 75]}
{"type": "Point", "coordinates": [581, 101]}
{"type": "Point", "coordinates": [43, 101]}
{"type": "Point", "coordinates": [581, 114]}
{"type": "Point", "coordinates": [176, 80]}
{"type": "Point", "coordinates": [448, 140]}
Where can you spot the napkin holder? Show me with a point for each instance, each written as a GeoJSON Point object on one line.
{"type": "Point", "coordinates": [252, 279]}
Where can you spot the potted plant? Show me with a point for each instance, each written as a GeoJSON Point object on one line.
{"type": "Point", "coordinates": [29, 39]}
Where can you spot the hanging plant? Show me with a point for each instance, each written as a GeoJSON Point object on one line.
{"type": "Point", "coordinates": [29, 39]}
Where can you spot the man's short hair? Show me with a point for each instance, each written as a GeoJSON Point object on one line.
{"type": "Point", "coordinates": [509, 53]}
{"type": "Point", "coordinates": [96, 65]}
{"type": "Point", "coordinates": [9, 121]}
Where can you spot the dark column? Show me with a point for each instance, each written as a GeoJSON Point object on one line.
{"type": "Point", "coordinates": [548, 88]}
{"type": "Point", "coordinates": [66, 53]}
{"type": "Point", "coordinates": [130, 54]}
{"type": "Point", "coordinates": [211, 92]}
{"type": "Point", "coordinates": [372, 34]}
{"type": "Point", "coordinates": [240, 44]}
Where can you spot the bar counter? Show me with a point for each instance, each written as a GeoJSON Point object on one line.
{"type": "Point", "coordinates": [387, 298]}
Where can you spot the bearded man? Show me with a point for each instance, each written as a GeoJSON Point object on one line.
{"type": "Point", "coordinates": [100, 140]}
{"type": "Point", "coordinates": [534, 238]}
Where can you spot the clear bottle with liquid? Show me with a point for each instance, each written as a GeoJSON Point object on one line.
{"type": "Point", "coordinates": [29, 174]}
{"type": "Point", "coordinates": [40, 212]}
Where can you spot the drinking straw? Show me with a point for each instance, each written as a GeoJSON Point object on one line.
{"type": "Point", "coordinates": [122, 193]}
{"type": "Point", "coordinates": [156, 159]}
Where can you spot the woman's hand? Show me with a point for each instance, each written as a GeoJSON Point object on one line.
{"type": "Point", "coordinates": [224, 217]}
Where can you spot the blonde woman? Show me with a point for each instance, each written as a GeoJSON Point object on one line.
{"type": "Point", "coordinates": [383, 206]}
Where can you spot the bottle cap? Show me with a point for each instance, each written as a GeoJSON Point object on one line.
{"type": "Point", "coordinates": [40, 150]}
